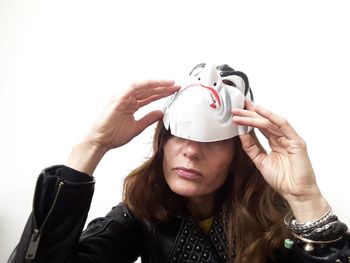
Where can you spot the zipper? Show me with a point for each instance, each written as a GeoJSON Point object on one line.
{"type": "Point", "coordinates": [33, 245]}
{"type": "Point", "coordinates": [36, 235]}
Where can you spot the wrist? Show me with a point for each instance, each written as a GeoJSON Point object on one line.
{"type": "Point", "coordinates": [85, 157]}
{"type": "Point", "coordinates": [308, 209]}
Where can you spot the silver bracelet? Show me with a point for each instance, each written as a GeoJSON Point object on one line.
{"type": "Point", "coordinates": [309, 244]}
{"type": "Point", "coordinates": [320, 229]}
{"type": "Point", "coordinates": [299, 227]}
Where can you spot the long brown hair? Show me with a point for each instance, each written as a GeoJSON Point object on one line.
{"type": "Point", "coordinates": [253, 211]}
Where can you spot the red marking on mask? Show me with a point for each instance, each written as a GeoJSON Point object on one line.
{"type": "Point", "coordinates": [213, 91]}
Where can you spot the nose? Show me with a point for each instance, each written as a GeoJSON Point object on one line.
{"type": "Point", "coordinates": [192, 150]}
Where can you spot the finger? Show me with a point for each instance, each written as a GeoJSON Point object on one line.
{"type": "Point", "coordinates": [148, 119]}
{"type": "Point", "coordinates": [277, 120]}
{"type": "Point", "coordinates": [152, 87]}
{"type": "Point", "coordinates": [139, 89]}
{"type": "Point", "coordinates": [275, 137]}
{"type": "Point", "coordinates": [257, 122]}
{"type": "Point", "coordinates": [249, 117]}
{"type": "Point", "coordinates": [162, 91]}
{"type": "Point", "coordinates": [244, 113]}
{"type": "Point", "coordinates": [153, 83]}
{"type": "Point", "coordinates": [249, 105]}
{"type": "Point", "coordinates": [248, 111]}
{"type": "Point", "coordinates": [255, 153]}
{"type": "Point", "coordinates": [270, 134]}
{"type": "Point", "coordinates": [147, 101]}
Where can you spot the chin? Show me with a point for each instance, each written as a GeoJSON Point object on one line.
{"type": "Point", "coordinates": [186, 189]}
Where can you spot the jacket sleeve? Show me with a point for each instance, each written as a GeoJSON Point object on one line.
{"type": "Point", "coordinates": [53, 232]}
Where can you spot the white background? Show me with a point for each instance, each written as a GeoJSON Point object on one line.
{"type": "Point", "coordinates": [61, 62]}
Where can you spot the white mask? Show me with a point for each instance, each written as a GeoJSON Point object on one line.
{"type": "Point", "coordinates": [201, 109]}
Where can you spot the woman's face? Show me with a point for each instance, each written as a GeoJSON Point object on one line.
{"type": "Point", "coordinates": [195, 169]}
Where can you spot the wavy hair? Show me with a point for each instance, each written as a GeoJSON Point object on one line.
{"type": "Point", "coordinates": [253, 211]}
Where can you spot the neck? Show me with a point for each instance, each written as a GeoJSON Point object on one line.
{"type": "Point", "coordinates": [201, 207]}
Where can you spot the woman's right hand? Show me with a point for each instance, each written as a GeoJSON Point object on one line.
{"type": "Point", "coordinates": [117, 125]}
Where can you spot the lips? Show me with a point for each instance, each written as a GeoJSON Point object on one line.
{"type": "Point", "coordinates": [187, 173]}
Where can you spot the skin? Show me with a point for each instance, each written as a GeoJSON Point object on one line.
{"type": "Point", "coordinates": [287, 168]}
{"type": "Point", "coordinates": [209, 165]}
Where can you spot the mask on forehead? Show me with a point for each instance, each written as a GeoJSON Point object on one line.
{"type": "Point", "coordinates": [201, 109]}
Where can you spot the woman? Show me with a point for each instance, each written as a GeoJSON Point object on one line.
{"type": "Point", "coordinates": [208, 193]}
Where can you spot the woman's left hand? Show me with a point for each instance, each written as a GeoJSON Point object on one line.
{"type": "Point", "coordinates": [287, 168]}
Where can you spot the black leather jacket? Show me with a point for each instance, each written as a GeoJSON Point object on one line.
{"type": "Point", "coordinates": [53, 233]}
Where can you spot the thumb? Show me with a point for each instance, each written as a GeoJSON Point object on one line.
{"type": "Point", "coordinates": [148, 119]}
{"type": "Point", "coordinates": [255, 153]}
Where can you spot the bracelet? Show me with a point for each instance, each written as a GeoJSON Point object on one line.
{"type": "Point", "coordinates": [331, 230]}
{"type": "Point", "coordinates": [327, 229]}
{"type": "Point", "coordinates": [298, 227]}
{"type": "Point", "coordinates": [309, 244]}
{"type": "Point", "coordinates": [321, 225]}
